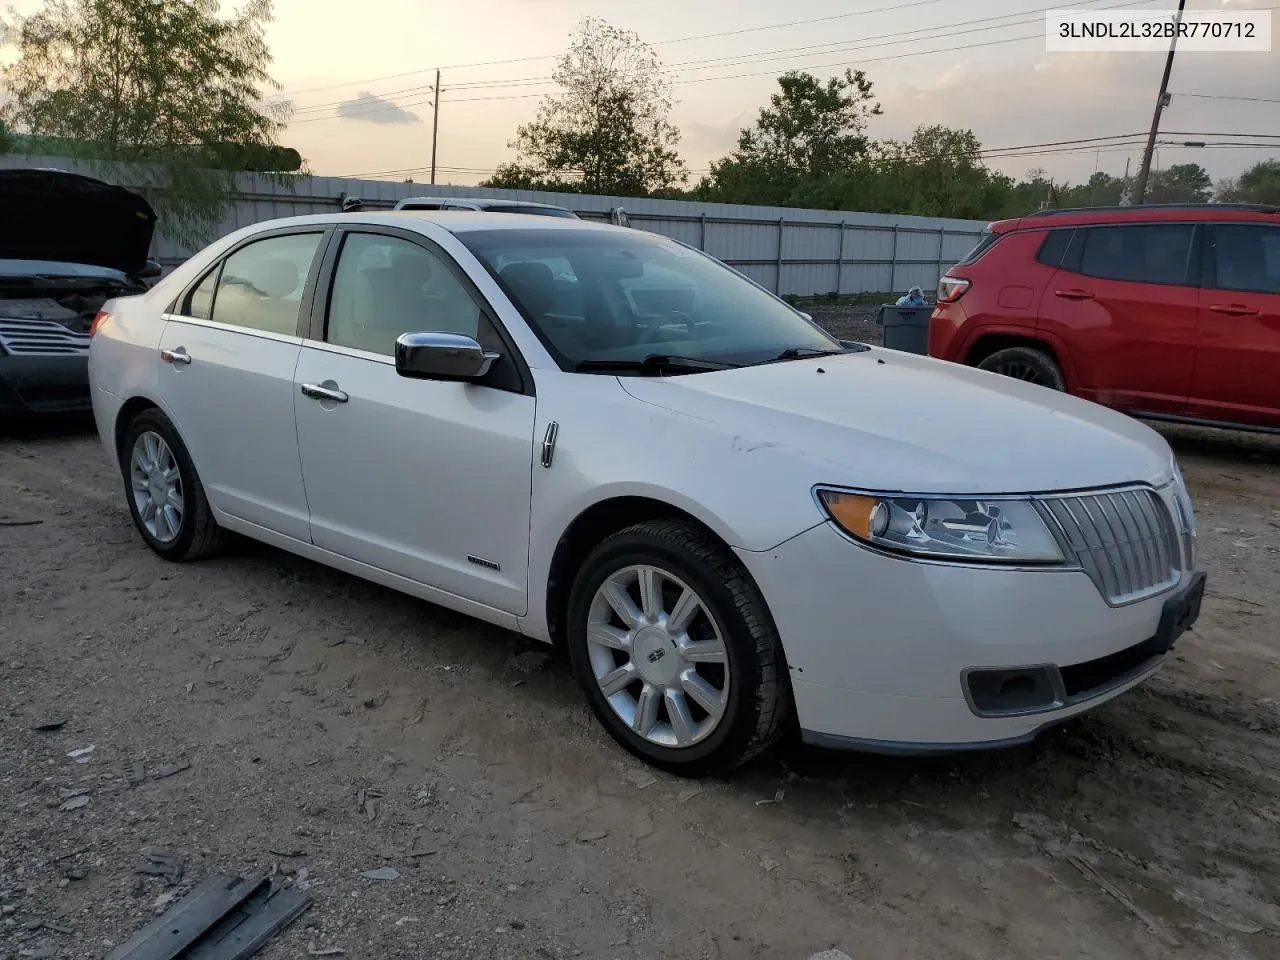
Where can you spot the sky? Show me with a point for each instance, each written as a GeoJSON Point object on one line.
{"type": "Point", "coordinates": [358, 75]}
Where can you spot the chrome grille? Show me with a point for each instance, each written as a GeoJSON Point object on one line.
{"type": "Point", "coordinates": [1124, 540]}
{"type": "Point", "coordinates": [41, 338]}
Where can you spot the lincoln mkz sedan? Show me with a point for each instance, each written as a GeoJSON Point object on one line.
{"type": "Point", "coordinates": [601, 438]}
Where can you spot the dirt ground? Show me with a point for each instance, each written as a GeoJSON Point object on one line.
{"type": "Point", "coordinates": [332, 727]}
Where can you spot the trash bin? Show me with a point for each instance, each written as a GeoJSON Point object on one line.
{"type": "Point", "coordinates": [905, 328]}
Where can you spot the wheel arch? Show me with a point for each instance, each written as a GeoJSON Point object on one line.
{"type": "Point", "coordinates": [599, 521]}
{"type": "Point", "coordinates": [988, 343]}
{"type": "Point", "coordinates": [126, 415]}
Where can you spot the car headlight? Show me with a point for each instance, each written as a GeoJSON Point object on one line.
{"type": "Point", "coordinates": [945, 528]}
{"type": "Point", "coordinates": [1183, 498]}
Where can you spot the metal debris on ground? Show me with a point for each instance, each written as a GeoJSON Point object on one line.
{"type": "Point", "coordinates": [382, 873]}
{"type": "Point", "coordinates": [167, 865]}
{"type": "Point", "coordinates": [223, 918]}
{"type": "Point", "coordinates": [4, 522]}
{"type": "Point", "coordinates": [171, 770]}
{"type": "Point", "coordinates": [82, 755]}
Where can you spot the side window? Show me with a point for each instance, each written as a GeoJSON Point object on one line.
{"type": "Point", "coordinates": [200, 302]}
{"type": "Point", "coordinates": [1150, 253]}
{"type": "Point", "coordinates": [385, 286]}
{"type": "Point", "coordinates": [1247, 258]}
{"type": "Point", "coordinates": [1054, 246]}
{"type": "Point", "coordinates": [261, 284]}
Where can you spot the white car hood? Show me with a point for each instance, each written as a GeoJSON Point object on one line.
{"type": "Point", "coordinates": [891, 421]}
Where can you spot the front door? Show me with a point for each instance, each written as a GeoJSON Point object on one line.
{"type": "Point", "coordinates": [1237, 367]}
{"type": "Point", "coordinates": [229, 353]}
{"type": "Point", "coordinates": [428, 480]}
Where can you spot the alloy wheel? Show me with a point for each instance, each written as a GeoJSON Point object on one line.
{"type": "Point", "coordinates": [658, 656]}
{"type": "Point", "coordinates": [156, 483]}
{"type": "Point", "coordinates": [1021, 371]}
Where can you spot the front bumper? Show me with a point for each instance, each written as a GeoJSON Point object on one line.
{"type": "Point", "coordinates": [31, 385]}
{"type": "Point", "coordinates": [878, 647]}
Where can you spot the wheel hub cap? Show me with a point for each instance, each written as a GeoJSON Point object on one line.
{"type": "Point", "coordinates": [658, 656]}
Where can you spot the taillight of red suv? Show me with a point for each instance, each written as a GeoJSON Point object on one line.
{"type": "Point", "coordinates": [951, 289]}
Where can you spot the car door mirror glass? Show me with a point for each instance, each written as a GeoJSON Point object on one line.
{"type": "Point", "coordinates": [442, 356]}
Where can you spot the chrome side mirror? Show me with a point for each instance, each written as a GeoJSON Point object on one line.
{"type": "Point", "coordinates": [442, 356]}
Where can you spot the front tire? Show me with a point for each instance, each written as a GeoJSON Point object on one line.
{"type": "Point", "coordinates": [1027, 364]}
{"type": "Point", "coordinates": [675, 649]}
{"type": "Point", "coordinates": [164, 493]}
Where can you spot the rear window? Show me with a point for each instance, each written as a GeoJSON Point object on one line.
{"type": "Point", "coordinates": [987, 241]}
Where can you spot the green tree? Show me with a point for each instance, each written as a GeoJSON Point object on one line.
{"type": "Point", "coordinates": [608, 132]}
{"type": "Point", "coordinates": [810, 130]}
{"type": "Point", "coordinates": [1259, 184]}
{"type": "Point", "coordinates": [1100, 190]}
{"type": "Point", "coordinates": [1180, 183]}
{"type": "Point", "coordinates": [169, 86]}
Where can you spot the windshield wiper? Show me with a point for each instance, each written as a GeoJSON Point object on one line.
{"type": "Point", "coordinates": [802, 353]}
{"type": "Point", "coordinates": [654, 363]}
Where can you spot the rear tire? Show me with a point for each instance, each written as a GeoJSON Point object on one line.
{"type": "Point", "coordinates": [691, 680]}
{"type": "Point", "coordinates": [164, 493]}
{"type": "Point", "coordinates": [1027, 364]}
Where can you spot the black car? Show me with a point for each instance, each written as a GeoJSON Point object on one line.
{"type": "Point", "coordinates": [71, 243]}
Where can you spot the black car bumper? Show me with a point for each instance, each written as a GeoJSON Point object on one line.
{"type": "Point", "coordinates": [39, 385]}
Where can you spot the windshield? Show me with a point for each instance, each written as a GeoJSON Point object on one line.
{"type": "Point", "coordinates": [593, 296]}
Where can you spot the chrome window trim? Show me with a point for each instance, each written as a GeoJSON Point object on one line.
{"type": "Point", "coordinates": [232, 328]}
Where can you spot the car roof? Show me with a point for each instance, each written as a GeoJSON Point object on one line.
{"type": "Point", "coordinates": [483, 201]}
{"type": "Point", "coordinates": [1147, 213]}
{"type": "Point", "coordinates": [455, 221]}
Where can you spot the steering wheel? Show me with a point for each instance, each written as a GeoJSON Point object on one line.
{"type": "Point", "coordinates": [676, 318]}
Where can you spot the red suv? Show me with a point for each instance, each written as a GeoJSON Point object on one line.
{"type": "Point", "coordinates": [1168, 312]}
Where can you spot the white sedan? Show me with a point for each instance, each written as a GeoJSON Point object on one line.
{"type": "Point", "coordinates": [607, 440]}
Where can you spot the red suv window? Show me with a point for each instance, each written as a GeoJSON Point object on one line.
{"type": "Point", "coordinates": [1139, 253]}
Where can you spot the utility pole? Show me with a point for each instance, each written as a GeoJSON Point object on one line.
{"type": "Point", "coordinates": [1162, 101]}
{"type": "Point", "coordinates": [435, 122]}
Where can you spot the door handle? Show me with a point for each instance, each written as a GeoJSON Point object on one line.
{"type": "Point", "coordinates": [178, 355]}
{"type": "Point", "coordinates": [1074, 294]}
{"type": "Point", "coordinates": [317, 392]}
{"type": "Point", "coordinates": [1233, 309]}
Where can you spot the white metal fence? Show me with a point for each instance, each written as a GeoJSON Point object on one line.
{"type": "Point", "coordinates": [791, 251]}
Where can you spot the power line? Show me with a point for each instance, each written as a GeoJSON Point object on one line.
{"type": "Point", "coordinates": [703, 36]}
{"type": "Point", "coordinates": [764, 56]}
{"type": "Point", "coordinates": [898, 56]}
{"type": "Point", "coordinates": [1210, 96]}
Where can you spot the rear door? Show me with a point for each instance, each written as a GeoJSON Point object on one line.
{"type": "Point", "coordinates": [1125, 302]}
{"type": "Point", "coordinates": [229, 354]}
{"type": "Point", "coordinates": [1237, 364]}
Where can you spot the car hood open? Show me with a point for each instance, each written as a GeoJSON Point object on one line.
{"type": "Point", "coordinates": [890, 421]}
{"type": "Point", "coordinates": [74, 219]}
